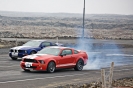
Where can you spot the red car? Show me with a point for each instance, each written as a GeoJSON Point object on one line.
{"type": "Point", "coordinates": [55, 57]}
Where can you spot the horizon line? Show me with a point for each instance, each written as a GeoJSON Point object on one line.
{"type": "Point", "coordinates": [66, 13]}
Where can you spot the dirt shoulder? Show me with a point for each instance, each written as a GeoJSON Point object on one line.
{"type": "Point", "coordinates": [120, 83]}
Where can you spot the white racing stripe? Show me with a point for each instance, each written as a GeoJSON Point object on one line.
{"type": "Point", "coordinates": [30, 56]}
{"type": "Point", "coordinates": [19, 47]}
{"type": "Point", "coordinates": [33, 56]}
{"type": "Point", "coordinates": [42, 78]}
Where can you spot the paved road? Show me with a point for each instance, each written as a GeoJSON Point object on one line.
{"type": "Point", "coordinates": [12, 76]}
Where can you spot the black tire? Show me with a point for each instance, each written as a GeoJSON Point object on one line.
{"type": "Point", "coordinates": [51, 67]}
{"type": "Point", "coordinates": [14, 58]}
{"type": "Point", "coordinates": [26, 70]}
{"type": "Point", "coordinates": [79, 65]}
{"type": "Point", "coordinates": [32, 52]}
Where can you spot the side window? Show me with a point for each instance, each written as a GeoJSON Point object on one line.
{"type": "Point", "coordinates": [66, 52]}
{"type": "Point", "coordinates": [45, 44]}
{"type": "Point", "coordinates": [53, 44]}
{"type": "Point", "coordinates": [76, 52]}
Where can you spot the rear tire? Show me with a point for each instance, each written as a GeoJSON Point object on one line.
{"type": "Point", "coordinates": [79, 65]}
{"type": "Point", "coordinates": [13, 58]}
{"type": "Point", "coordinates": [51, 67]}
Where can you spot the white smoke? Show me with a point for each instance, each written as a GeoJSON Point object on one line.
{"type": "Point", "coordinates": [98, 54]}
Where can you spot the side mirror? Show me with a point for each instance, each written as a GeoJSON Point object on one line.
{"type": "Point", "coordinates": [63, 55]}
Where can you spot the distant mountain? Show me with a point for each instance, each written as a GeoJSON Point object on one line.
{"type": "Point", "coordinates": [41, 14]}
{"type": "Point", "coordinates": [37, 14]}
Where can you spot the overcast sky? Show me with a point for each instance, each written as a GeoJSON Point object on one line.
{"type": "Point", "coordinates": [69, 6]}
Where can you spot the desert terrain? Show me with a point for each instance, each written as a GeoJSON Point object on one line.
{"type": "Point", "coordinates": [33, 25]}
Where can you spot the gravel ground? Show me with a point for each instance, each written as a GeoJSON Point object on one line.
{"type": "Point", "coordinates": [120, 83]}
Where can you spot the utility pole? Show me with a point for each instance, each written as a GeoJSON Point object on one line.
{"type": "Point", "coordinates": [83, 19]}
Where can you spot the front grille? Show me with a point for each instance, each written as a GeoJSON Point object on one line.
{"type": "Point", "coordinates": [30, 60]}
{"type": "Point", "coordinates": [29, 67]}
{"type": "Point", "coordinates": [13, 50]}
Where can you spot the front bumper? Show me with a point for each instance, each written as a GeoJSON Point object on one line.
{"type": "Point", "coordinates": [17, 55]}
{"type": "Point", "coordinates": [33, 66]}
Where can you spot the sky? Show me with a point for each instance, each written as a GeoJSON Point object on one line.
{"type": "Point", "coordinates": [69, 6]}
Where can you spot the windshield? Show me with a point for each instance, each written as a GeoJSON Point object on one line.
{"type": "Point", "coordinates": [51, 51]}
{"type": "Point", "coordinates": [32, 43]}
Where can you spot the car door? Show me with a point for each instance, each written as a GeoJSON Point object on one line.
{"type": "Point", "coordinates": [67, 58]}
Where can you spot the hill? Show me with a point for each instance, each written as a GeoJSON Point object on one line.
{"type": "Point", "coordinates": [65, 25]}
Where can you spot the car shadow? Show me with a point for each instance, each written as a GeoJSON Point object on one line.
{"type": "Point", "coordinates": [45, 72]}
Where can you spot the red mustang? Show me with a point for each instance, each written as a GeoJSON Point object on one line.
{"type": "Point", "coordinates": [51, 58]}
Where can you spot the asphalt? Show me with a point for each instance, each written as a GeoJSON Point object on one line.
{"type": "Point", "coordinates": [12, 76]}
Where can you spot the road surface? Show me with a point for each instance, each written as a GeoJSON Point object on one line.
{"type": "Point", "coordinates": [12, 76]}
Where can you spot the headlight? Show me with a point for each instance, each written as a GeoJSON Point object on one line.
{"type": "Point", "coordinates": [23, 59]}
{"type": "Point", "coordinates": [25, 51]}
{"type": "Point", "coordinates": [10, 50]}
{"type": "Point", "coordinates": [41, 61]}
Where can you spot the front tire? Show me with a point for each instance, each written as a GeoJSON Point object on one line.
{"type": "Point", "coordinates": [14, 58]}
{"type": "Point", "coordinates": [51, 67]}
{"type": "Point", "coordinates": [32, 52]}
{"type": "Point", "coordinates": [79, 65]}
{"type": "Point", "coordinates": [26, 70]}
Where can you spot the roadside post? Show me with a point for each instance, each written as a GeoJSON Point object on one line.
{"type": "Point", "coordinates": [111, 74]}
{"type": "Point", "coordinates": [16, 42]}
{"type": "Point", "coordinates": [107, 79]}
{"type": "Point", "coordinates": [103, 78]}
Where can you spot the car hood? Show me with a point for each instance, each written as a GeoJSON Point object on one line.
{"type": "Point", "coordinates": [23, 47]}
{"type": "Point", "coordinates": [39, 56]}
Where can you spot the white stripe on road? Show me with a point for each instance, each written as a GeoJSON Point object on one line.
{"type": "Point", "coordinates": [118, 70]}
{"type": "Point", "coordinates": [52, 77]}
{"type": "Point", "coordinates": [42, 78]}
{"type": "Point", "coordinates": [123, 70]}
{"type": "Point", "coordinates": [5, 61]}
{"type": "Point", "coordinates": [10, 66]}
{"type": "Point", "coordinates": [4, 55]}
{"type": "Point", "coordinates": [119, 55]}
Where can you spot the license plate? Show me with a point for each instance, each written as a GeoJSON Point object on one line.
{"type": "Point", "coordinates": [27, 64]}
{"type": "Point", "coordinates": [14, 54]}
{"type": "Point", "coordinates": [29, 69]}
